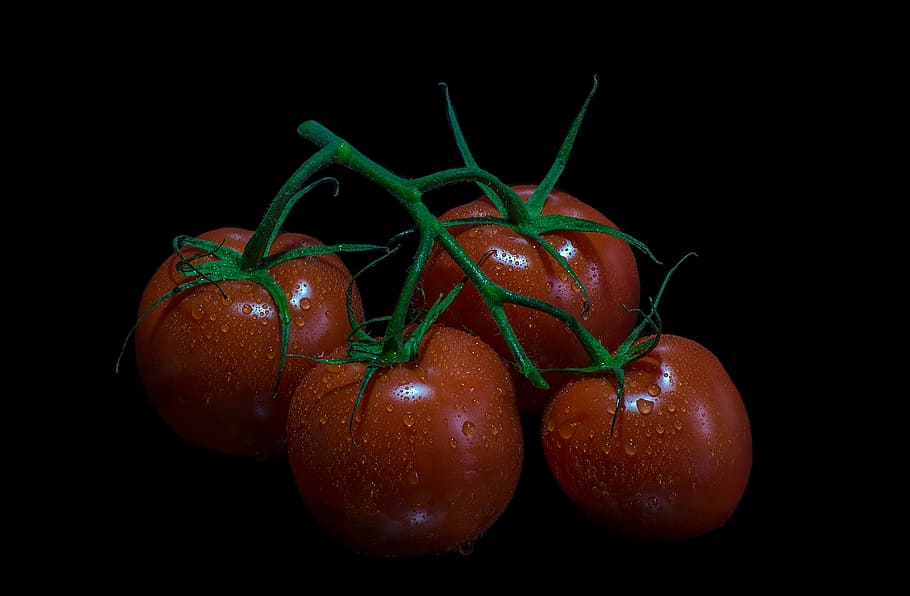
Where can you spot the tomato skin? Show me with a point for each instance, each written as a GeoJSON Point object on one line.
{"type": "Point", "coordinates": [605, 265]}
{"type": "Point", "coordinates": [679, 461]}
{"type": "Point", "coordinates": [209, 364]}
{"type": "Point", "coordinates": [439, 448]}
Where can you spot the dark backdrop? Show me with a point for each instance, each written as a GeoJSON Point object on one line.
{"type": "Point", "coordinates": [685, 152]}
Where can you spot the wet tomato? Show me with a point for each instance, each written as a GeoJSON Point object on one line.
{"type": "Point", "coordinates": [679, 460]}
{"type": "Point", "coordinates": [432, 459]}
{"type": "Point", "coordinates": [603, 263]}
{"type": "Point", "coordinates": [209, 361]}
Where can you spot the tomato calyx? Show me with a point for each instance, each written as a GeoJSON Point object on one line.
{"type": "Point", "coordinates": [217, 263]}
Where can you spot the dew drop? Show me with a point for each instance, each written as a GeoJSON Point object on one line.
{"type": "Point", "coordinates": [226, 300]}
{"type": "Point", "coordinates": [389, 407]}
{"type": "Point", "coordinates": [453, 443]}
{"type": "Point", "coordinates": [246, 288]}
{"type": "Point", "coordinates": [671, 406]}
{"type": "Point", "coordinates": [677, 425]}
{"type": "Point", "coordinates": [630, 448]}
{"type": "Point", "coordinates": [299, 321]}
{"type": "Point", "coordinates": [567, 430]}
{"type": "Point", "coordinates": [265, 321]}
{"type": "Point", "coordinates": [270, 353]}
{"type": "Point", "coordinates": [550, 426]}
{"type": "Point", "coordinates": [474, 232]}
{"type": "Point", "coordinates": [466, 549]}
{"type": "Point", "coordinates": [305, 304]}
{"type": "Point", "coordinates": [494, 430]}
{"type": "Point", "coordinates": [334, 368]}
{"type": "Point", "coordinates": [645, 406]}
{"type": "Point", "coordinates": [605, 447]}
{"type": "Point", "coordinates": [653, 503]}
{"type": "Point", "coordinates": [198, 312]}
{"type": "Point", "coordinates": [212, 317]}
{"type": "Point", "coordinates": [408, 419]}
{"type": "Point", "coordinates": [660, 429]}
{"type": "Point", "coordinates": [467, 428]}
{"type": "Point", "coordinates": [224, 328]}
{"type": "Point", "coordinates": [413, 478]}
{"type": "Point", "coordinates": [586, 314]}
{"type": "Point", "coordinates": [323, 419]}
{"type": "Point", "coordinates": [653, 390]}
{"type": "Point", "coordinates": [246, 309]}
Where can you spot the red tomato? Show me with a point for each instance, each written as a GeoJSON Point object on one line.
{"type": "Point", "coordinates": [680, 457]}
{"type": "Point", "coordinates": [209, 364]}
{"type": "Point", "coordinates": [438, 455]}
{"type": "Point", "coordinates": [604, 264]}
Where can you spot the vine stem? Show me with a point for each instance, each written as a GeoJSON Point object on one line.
{"type": "Point", "coordinates": [409, 193]}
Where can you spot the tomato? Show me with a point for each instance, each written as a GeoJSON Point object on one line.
{"type": "Point", "coordinates": [681, 454]}
{"type": "Point", "coordinates": [438, 450]}
{"type": "Point", "coordinates": [603, 263]}
{"type": "Point", "coordinates": [209, 363]}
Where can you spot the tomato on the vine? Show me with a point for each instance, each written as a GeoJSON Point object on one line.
{"type": "Point", "coordinates": [604, 264]}
{"type": "Point", "coordinates": [679, 459]}
{"type": "Point", "coordinates": [431, 458]}
{"type": "Point", "coordinates": [209, 356]}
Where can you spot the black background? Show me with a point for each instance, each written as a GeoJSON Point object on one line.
{"type": "Point", "coordinates": [688, 150]}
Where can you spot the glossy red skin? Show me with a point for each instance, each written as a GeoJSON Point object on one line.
{"type": "Point", "coordinates": [604, 264]}
{"type": "Point", "coordinates": [210, 365]}
{"type": "Point", "coordinates": [439, 451]}
{"type": "Point", "coordinates": [674, 473]}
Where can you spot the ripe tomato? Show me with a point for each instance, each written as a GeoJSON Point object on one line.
{"type": "Point", "coordinates": [438, 451]}
{"type": "Point", "coordinates": [604, 264]}
{"type": "Point", "coordinates": [680, 457]}
{"type": "Point", "coordinates": [209, 364]}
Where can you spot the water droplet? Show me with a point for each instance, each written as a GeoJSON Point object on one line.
{"type": "Point", "coordinates": [586, 314]}
{"type": "Point", "coordinates": [408, 419]}
{"type": "Point", "coordinates": [299, 321]}
{"type": "Point", "coordinates": [226, 300]}
{"type": "Point", "coordinates": [605, 447]}
{"type": "Point", "coordinates": [567, 430]}
{"type": "Point", "coordinates": [389, 407]}
{"type": "Point", "coordinates": [334, 368]}
{"type": "Point", "coordinates": [474, 232]}
{"type": "Point", "coordinates": [246, 309]}
{"type": "Point", "coordinates": [453, 443]}
{"type": "Point", "coordinates": [653, 503]}
{"type": "Point", "coordinates": [224, 328]}
{"type": "Point", "coordinates": [305, 304]}
{"type": "Point", "coordinates": [671, 406]}
{"type": "Point", "coordinates": [323, 419]}
{"type": "Point", "coordinates": [648, 432]}
{"type": "Point", "coordinates": [550, 426]}
{"type": "Point", "coordinates": [630, 448]}
{"type": "Point", "coordinates": [413, 477]}
{"type": "Point", "coordinates": [246, 288]}
{"type": "Point", "coordinates": [549, 285]}
{"type": "Point", "coordinates": [653, 390]}
{"type": "Point", "coordinates": [467, 428]}
{"type": "Point", "coordinates": [677, 425]}
{"type": "Point", "coordinates": [494, 430]}
{"type": "Point", "coordinates": [264, 321]}
{"type": "Point", "coordinates": [270, 353]}
{"type": "Point", "coordinates": [660, 429]}
{"type": "Point", "coordinates": [645, 406]}
{"type": "Point", "coordinates": [212, 317]}
{"type": "Point", "coordinates": [466, 549]}
{"type": "Point", "coordinates": [611, 407]}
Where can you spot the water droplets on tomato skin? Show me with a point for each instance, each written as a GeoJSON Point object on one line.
{"type": "Point", "coordinates": [408, 419]}
{"type": "Point", "coordinates": [567, 430]}
{"type": "Point", "coordinates": [645, 406]}
{"type": "Point", "coordinates": [468, 428]}
{"type": "Point", "coordinates": [630, 448]}
{"type": "Point", "coordinates": [654, 390]}
{"type": "Point", "coordinates": [198, 312]}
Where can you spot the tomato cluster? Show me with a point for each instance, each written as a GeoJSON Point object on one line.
{"type": "Point", "coordinates": [409, 440]}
